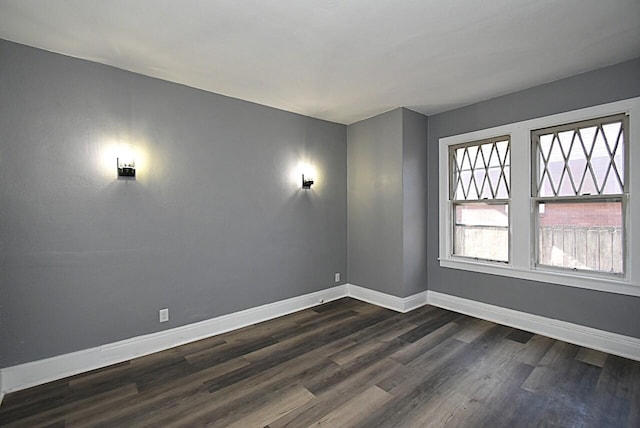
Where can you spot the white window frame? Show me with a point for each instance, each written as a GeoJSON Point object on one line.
{"type": "Point", "coordinates": [522, 218]}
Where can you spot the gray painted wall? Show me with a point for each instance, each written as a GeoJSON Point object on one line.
{"type": "Point", "coordinates": [414, 202]}
{"type": "Point", "coordinates": [606, 311]}
{"type": "Point", "coordinates": [375, 202]}
{"type": "Point", "coordinates": [215, 222]}
{"type": "Point", "coordinates": [387, 202]}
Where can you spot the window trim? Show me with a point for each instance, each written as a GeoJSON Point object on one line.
{"type": "Point", "coordinates": [521, 207]}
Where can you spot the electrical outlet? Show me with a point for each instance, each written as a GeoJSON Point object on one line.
{"type": "Point", "coordinates": [164, 315]}
{"type": "Point", "coordinates": [337, 276]}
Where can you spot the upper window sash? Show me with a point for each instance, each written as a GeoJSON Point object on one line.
{"type": "Point", "coordinates": [585, 158]}
{"type": "Point", "coordinates": [480, 170]}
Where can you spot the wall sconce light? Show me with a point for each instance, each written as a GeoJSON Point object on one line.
{"type": "Point", "coordinates": [126, 168]}
{"type": "Point", "coordinates": [306, 182]}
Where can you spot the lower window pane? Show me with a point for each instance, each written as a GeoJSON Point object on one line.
{"type": "Point", "coordinates": [581, 235]}
{"type": "Point", "coordinates": [482, 231]}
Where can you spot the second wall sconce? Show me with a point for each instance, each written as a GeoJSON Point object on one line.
{"type": "Point", "coordinates": [306, 182]}
{"type": "Point", "coordinates": [126, 168]}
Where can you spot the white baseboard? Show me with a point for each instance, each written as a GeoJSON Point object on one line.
{"type": "Point", "coordinates": [399, 304]}
{"type": "Point", "coordinates": [612, 343]}
{"type": "Point", "coordinates": [415, 301]}
{"type": "Point", "coordinates": [38, 372]}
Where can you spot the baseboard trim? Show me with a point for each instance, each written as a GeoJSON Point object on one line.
{"type": "Point", "coordinates": [42, 371]}
{"type": "Point", "coordinates": [39, 372]}
{"type": "Point", "coordinates": [612, 343]}
{"type": "Point", "coordinates": [399, 304]}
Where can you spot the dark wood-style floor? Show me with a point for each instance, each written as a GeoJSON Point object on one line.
{"type": "Point", "coordinates": [349, 363]}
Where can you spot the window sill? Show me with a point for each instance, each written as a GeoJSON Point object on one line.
{"type": "Point", "coordinates": [610, 285]}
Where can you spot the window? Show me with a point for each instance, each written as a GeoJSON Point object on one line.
{"type": "Point", "coordinates": [552, 200]}
{"type": "Point", "coordinates": [579, 195]}
{"type": "Point", "coordinates": [479, 197]}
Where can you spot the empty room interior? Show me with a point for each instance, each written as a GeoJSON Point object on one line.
{"type": "Point", "coordinates": [300, 213]}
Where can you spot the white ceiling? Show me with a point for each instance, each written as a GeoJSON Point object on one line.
{"type": "Point", "coordinates": [339, 60]}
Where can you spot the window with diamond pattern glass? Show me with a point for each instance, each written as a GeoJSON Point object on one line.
{"type": "Point", "coordinates": [579, 190]}
{"type": "Point", "coordinates": [479, 193]}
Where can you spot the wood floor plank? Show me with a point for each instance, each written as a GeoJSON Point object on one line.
{"type": "Point", "coordinates": [617, 377]}
{"type": "Point", "coordinates": [431, 361]}
{"type": "Point", "coordinates": [557, 359]}
{"type": "Point", "coordinates": [421, 387]}
{"type": "Point", "coordinates": [488, 393]}
{"type": "Point", "coordinates": [388, 329]}
{"type": "Point", "coordinates": [634, 414]}
{"type": "Point", "coordinates": [426, 343]}
{"type": "Point", "coordinates": [44, 418]}
{"type": "Point", "coordinates": [292, 350]}
{"type": "Point", "coordinates": [534, 350]}
{"type": "Point", "coordinates": [348, 363]}
{"type": "Point", "coordinates": [57, 424]}
{"type": "Point", "coordinates": [429, 326]}
{"type": "Point", "coordinates": [355, 409]}
{"type": "Point", "coordinates": [520, 336]}
{"type": "Point", "coordinates": [268, 328]}
{"type": "Point", "coordinates": [226, 352]}
{"type": "Point", "coordinates": [337, 305]}
{"type": "Point", "coordinates": [329, 381]}
{"type": "Point", "coordinates": [127, 410]}
{"type": "Point", "coordinates": [591, 356]}
{"type": "Point", "coordinates": [218, 406]}
{"type": "Point", "coordinates": [37, 394]}
{"type": "Point", "coordinates": [330, 400]}
{"type": "Point", "coordinates": [321, 320]}
{"type": "Point", "coordinates": [200, 345]}
{"type": "Point", "coordinates": [473, 330]}
{"type": "Point", "coordinates": [102, 373]}
{"type": "Point", "coordinates": [449, 408]}
{"type": "Point", "coordinates": [298, 368]}
{"type": "Point", "coordinates": [606, 410]}
{"type": "Point", "coordinates": [16, 409]}
{"type": "Point", "coordinates": [424, 313]}
{"type": "Point", "coordinates": [306, 338]}
{"type": "Point", "coordinates": [276, 407]}
{"type": "Point", "coordinates": [368, 344]}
